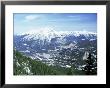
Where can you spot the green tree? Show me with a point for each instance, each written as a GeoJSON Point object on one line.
{"type": "Point", "coordinates": [70, 71]}
{"type": "Point", "coordinates": [90, 68]}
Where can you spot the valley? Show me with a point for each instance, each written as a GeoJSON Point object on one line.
{"type": "Point", "coordinates": [58, 48]}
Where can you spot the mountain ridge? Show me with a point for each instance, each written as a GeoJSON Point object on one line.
{"type": "Point", "coordinates": [48, 34]}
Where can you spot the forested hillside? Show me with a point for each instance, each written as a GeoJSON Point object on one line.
{"type": "Point", "coordinates": [24, 65]}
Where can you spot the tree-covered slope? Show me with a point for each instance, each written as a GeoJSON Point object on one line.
{"type": "Point", "coordinates": [24, 65]}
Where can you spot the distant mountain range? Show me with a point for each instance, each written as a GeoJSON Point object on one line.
{"type": "Point", "coordinates": [49, 33]}
{"type": "Point", "coordinates": [62, 48]}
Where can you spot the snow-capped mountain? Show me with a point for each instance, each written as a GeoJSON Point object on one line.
{"type": "Point", "coordinates": [57, 47]}
{"type": "Point", "coordinates": [49, 33]}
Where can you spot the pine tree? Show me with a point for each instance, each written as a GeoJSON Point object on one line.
{"type": "Point", "coordinates": [70, 71]}
{"type": "Point", "coordinates": [90, 68]}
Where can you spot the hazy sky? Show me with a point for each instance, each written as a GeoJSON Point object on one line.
{"type": "Point", "coordinates": [58, 21]}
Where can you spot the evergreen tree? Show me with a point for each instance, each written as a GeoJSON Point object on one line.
{"type": "Point", "coordinates": [70, 71]}
{"type": "Point", "coordinates": [90, 68]}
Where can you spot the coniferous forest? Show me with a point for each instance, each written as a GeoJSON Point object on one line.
{"type": "Point", "coordinates": [27, 66]}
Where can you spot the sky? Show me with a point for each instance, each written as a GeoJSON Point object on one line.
{"type": "Point", "coordinates": [24, 22]}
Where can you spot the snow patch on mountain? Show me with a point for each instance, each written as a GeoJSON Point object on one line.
{"type": "Point", "coordinates": [48, 33]}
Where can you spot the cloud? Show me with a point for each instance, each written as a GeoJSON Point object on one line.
{"type": "Point", "coordinates": [31, 17]}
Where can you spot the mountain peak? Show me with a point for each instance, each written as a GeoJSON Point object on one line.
{"type": "Point", "coordinates": [48, 33]}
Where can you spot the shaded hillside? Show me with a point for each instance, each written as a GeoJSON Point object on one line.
{"type": "Point", "coordinates": [26, 66]}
